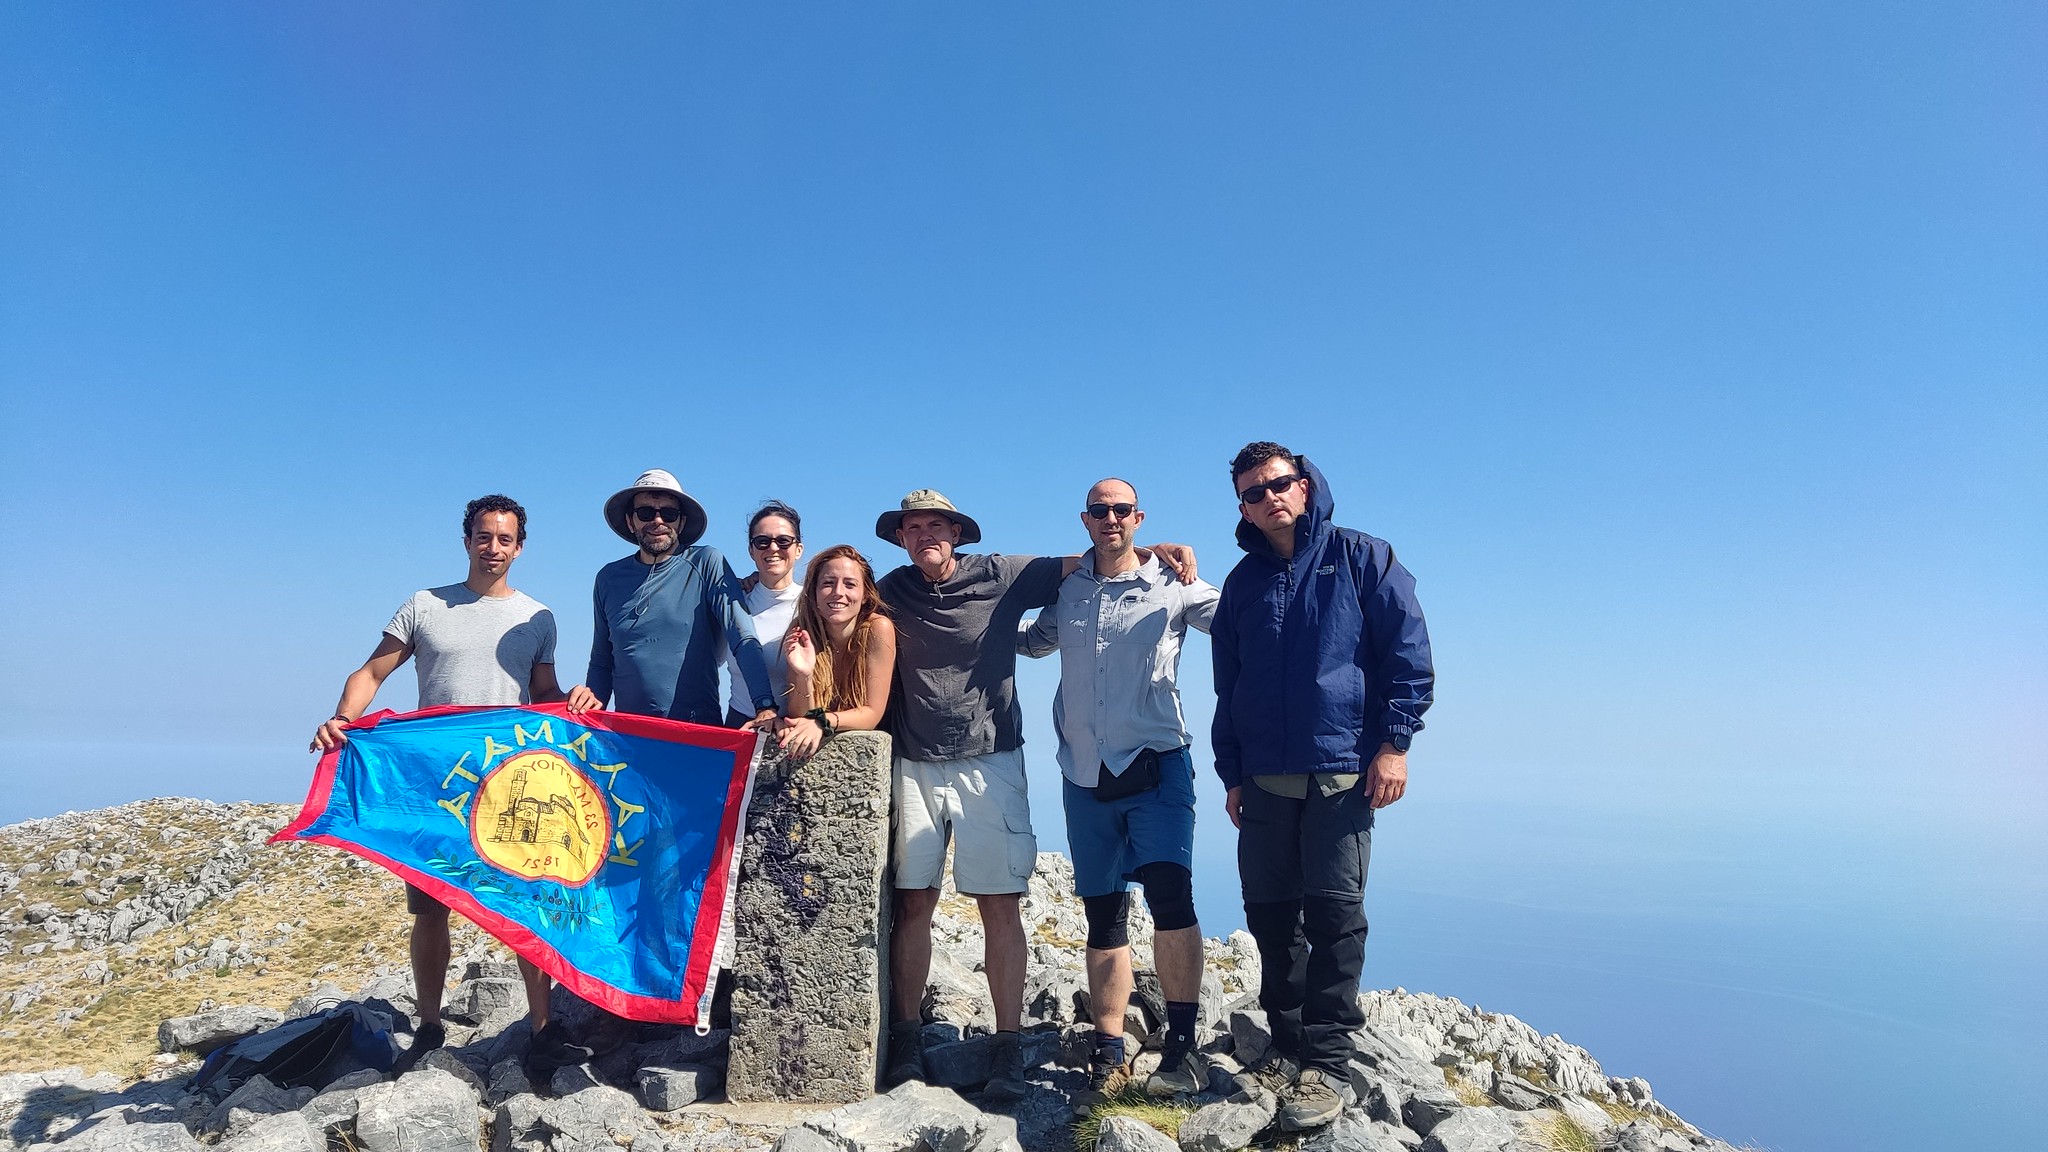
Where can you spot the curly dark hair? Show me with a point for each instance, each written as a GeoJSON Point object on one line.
{"type": "Point", "coordinates": [1256, 453]}
{"type": "Point", "coordinates": [495, 502]}
{"type": "Point", "coordinates": [777, 508]}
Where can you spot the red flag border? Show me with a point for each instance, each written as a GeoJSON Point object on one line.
{"type": "Point", "coordinates": [522, 940]}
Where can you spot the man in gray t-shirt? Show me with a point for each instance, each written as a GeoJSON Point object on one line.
{"type": "Point", "coordinates": [480, 643]}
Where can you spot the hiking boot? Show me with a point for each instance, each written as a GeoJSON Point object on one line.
{"type": "Point", "coordinates": [550, 1051]}
{"type": "Point", "coordinates": [425, 1039]}
{"type": "Point", "coordinates": [1313, 1100]}
{"type": "Point", "coordinates": [1107, 1080]}
{"type": "Point", "coordinates": [1180, 1073]}
{"type": "Point", "coordinates": [1274, 1073]}
{"type": "Point", "coordinates": [1005, 1068]}
{"type": "Point", "coordinates": [906, 1053]}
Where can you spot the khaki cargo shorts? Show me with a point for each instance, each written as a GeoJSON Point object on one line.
{"type": "Point", "coordinates": [982, 802]}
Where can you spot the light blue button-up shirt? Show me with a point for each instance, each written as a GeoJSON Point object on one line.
{"type": "Point", "coordinates": [1119, 640]}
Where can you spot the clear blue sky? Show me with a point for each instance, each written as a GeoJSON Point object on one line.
{"type": "Point", "coordinates": [1695, 357]}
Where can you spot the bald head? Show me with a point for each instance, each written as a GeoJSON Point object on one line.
{"type": "Point", "coordinates": [1112, 490]}
{"type": "Point", "coordinates": [1114, 532]}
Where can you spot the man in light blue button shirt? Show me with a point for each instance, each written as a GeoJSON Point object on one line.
{"type": "Point", "coordinates": [1129, 789]}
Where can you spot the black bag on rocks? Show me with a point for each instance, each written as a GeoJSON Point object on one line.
{"type": "Point", "coordinates": [303, 1051]}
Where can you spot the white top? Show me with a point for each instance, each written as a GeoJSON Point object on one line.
{"type": "Point", "coordinates": [773, 613]}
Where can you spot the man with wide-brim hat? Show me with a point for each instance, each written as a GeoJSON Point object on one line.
{"type": "Point", "coordinates": [662, 611]}
{"type": "Point", "coordinates": [959, 760]}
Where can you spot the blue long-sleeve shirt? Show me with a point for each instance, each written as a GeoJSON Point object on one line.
{"type": "Point", "coordinates": [655, 649]}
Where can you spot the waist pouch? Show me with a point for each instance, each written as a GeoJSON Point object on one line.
{"type": "Point", "coordinates": [1141, 776]}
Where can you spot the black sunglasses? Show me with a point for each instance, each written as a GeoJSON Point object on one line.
{"type": "Point", "coordinates": [761, 543]}
{"type": "Point", "coordinates": [1101, 511]}
{"type": "Point", "coordinates": [1257, 492]}
{"type": "Point", "coordinates": [646, 514]}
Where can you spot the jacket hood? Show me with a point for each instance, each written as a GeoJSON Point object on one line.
{"type": "Point", "coordinates": [1321, 508]}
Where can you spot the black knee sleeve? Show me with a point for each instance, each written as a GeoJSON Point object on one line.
{"type": "Point", "coordinates": [1109, 920]}
{"type": "Point", "coordinates": [1170, 894]}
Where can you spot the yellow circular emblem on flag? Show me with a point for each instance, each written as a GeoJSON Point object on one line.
{"type": "Point", "coordinates": [537, 817]}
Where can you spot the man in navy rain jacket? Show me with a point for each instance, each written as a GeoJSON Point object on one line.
{"type": "Point", "coordinates": [1322, 675]}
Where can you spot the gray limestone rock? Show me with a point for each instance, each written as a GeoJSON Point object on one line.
{"type": "Point", "coordinates": [573, 1079]}
{"type": "Point", "coordinates": [206, 1031]}
{"type": "Point", "coordinates": [1253, 1036]}
{"type": "Point", "coordinates": [667, 1089]}
{"type": "Point", "coordinates": [36, 1106]}
{"type": "Point", "coordinates": [812, 926]}
{"type": "Point", "coordinates": [129, 1138]}
{"type": "Point", "coordinates": [1123, 1134]}
{"type": "Point", "coordinates": [518, 1125]}
{"type": "Point", "coordinates": [1055, 993]}
{"type": "Point", "coordinates": [427, 1110]}
{"type": "Point", "coordinates": [915, 1118]}
{"type": "Point", "coordinates": [1353, 1131]}
{"type": "Point", "coordinates": [1590, 1117]}
{"type": "Point", "coordinates": [255, 1099]}
{"type": "Point", "coordinates": [1471, 1130]}
{"type": "Point", "coordinates": [1646, 1136]}
{"type": "Point", "coordinates": [958, 995]}
{"type": "Point", "coordinates": [486, 1001]}
{"type": "Point", "coordinates": [284, 1132]}
{"type": "Point", "coordinates": [1511, 1091]}
{"type": "Point", "coordinates": [599, 1116]}
{"type": "Point", "coordinates": [801, 1139]}
{"type": "Point", "coordinates": [507, 1079]}
{"type": "Point", "coordinates": [1424, 1110]}
{"type": "Point", "coordinates": [1378, 1095]}
{"type": "Point", "coordinates": [327, 995]}
{"type": "Point", "coordinates": [1227, 1125]}
{"type": "Point", "coordinates": [447, 1061]}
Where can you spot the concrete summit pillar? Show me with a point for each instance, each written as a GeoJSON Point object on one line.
{"type": "Point", "coordinates": [811, 944]}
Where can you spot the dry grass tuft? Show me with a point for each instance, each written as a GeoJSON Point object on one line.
{"type": "Point", "coordinates": [1132, 1103]}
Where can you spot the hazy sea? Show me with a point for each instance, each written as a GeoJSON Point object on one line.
{"type": "Point", "coordinates": [1792, 965]}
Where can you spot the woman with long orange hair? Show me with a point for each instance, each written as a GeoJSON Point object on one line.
{"type": "Point", "coordinates": [841, 652]}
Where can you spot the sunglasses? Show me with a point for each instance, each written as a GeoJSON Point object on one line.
{"type": "Point", "coordinates": [647, 514]}
{"type": "Point", "coordinates": [1102, 511]}
{"type": "Point", "coordinates": [762, 543]}
{"type": "Point", "coordinates": [1257, 492]}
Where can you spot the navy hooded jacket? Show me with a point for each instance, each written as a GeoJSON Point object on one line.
{"type": "Point", "coordinates": [1319, 659]}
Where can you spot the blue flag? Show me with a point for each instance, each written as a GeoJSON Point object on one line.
{"type": "Point", "coordinates": [600, 846]}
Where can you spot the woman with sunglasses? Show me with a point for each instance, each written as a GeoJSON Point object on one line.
{"type": "Point", "coordinates": [775, 541]}
{"type": "Point", "coordinates": [840, 655]}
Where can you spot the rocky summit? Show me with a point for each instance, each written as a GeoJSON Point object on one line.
{"type": "Point", "coordinates": [135, 940]}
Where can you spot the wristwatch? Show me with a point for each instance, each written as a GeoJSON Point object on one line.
{"type": "Point", "coordinates": [1400, 741]}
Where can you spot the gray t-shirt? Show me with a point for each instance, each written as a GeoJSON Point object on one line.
{"type": "Point", "coordinates": [956, 653]}
{"type": "Point", "coordinates": [475, 650]}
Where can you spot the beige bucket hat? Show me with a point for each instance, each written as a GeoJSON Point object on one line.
{"type": "Point", "coordinates": [620, 506]}
{"type": "Point", "coordinates": [927, 500]}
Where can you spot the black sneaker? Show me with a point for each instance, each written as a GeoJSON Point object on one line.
{"type": "Point", "coordinates": [550, 1051]}
{"type": "Point", "coordinates": [425, 1039]}
{"type": "Point", "coordinates": [906, 1053]}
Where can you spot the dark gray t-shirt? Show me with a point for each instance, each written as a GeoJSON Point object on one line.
{"type": "Point", "coordinates": [956, 653]}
